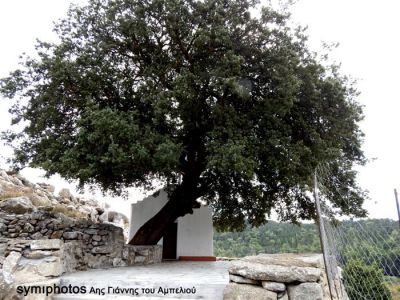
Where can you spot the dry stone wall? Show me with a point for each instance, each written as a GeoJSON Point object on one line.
{"type": "Point", "coordinates": [279, 276]}
{"type": "Point", "coordinates": [43, 261]}
{"type": "Point", "coordinates": [43, 236]}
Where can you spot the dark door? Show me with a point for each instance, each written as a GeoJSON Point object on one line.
{"type": "Point", "coordinates": [169, 241]}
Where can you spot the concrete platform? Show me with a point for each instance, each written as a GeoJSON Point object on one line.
{"type": "Point", "coordinates": [167, 280]}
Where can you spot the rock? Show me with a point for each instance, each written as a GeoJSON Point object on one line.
{"type": "Point", "coordinates": [28, 228]}
{"type": "Point", "coordinates": [273, 286]}
{"type": "Point", "coordinates": [283, 296]}
{"type": "Point", "coordinates": [56, 234]}
{"type": "Point", "coordinates": [46, 244]}
{"type": "Point", "coordinates": [90, 231]}
{"type": "Point", "coordinates": [118, 262]}
{"type": "Point", "coordinates": [3, 227]}
{"type": "Point", "coordinates": [64, 193]}
{"type": "Point", "coordinates": [16, 181]}
{"type": "Point", "coordinates": [25, 181]}
{"type": "Point", "coordinates": [37, 254]}
{"type": "Point", "coordinates": [17, 205]}
{"type": "Point", "coordinates": [40, 200]}
{"type": "Point", "coordinates": [47, 187]}
{"type": "Point", "coordinates": [258, 271]}
{"type": "Point", "coordinates": [240, 279]}
{"type": "Point", "coordinates": [33, 270]}
{"type": "Point", "coordinates": [5, 287]}
{"type": "Point", "coordinates": [125, 252]}
{"type": "Point", "coordinates": [305, 291]}
{"type": "Point", "coordinates": [96, 262]}
{"type": "Point", "coordinates": [288, 259]}
{"type": "Point", "coordinates": [234, 291]}
{"type": "Point", "coordinates": [70, 235]}
{"type": "Point", "coordinates": [4, 175]}
{"type": "Point", "coordinates": [103, 249]}
{"type": "Point", "coordinates": [140, 259]}
{"type": "Point", "coordinates": [10, 265]}
{"type": "Point", "coordinates": [96, 238]}
{"type": "Point", "coordinates": [37, 236]}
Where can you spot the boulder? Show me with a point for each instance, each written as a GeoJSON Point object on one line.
{"type": "Point", "coordinates": [284, 296]}
{"type": "Point", "coordinates": [70, 235]}
{"type": "Point", "coordinates": [64, 193]}
{"type": "Point", "coordinates": [273, 286]}
{"type": "Point", "coordinates": [266, 272]}
{"type": "Point", "coordinates": [288, 259]}
{"type": "Point", "coordinates": [10, 265]}
{"type": "Point", "coordinates": [5, 287]}
{"type": "Point", "coordinates": [118, 262]}
{"type": "Point", "coordinates": [46, 244]}
{"type": "Point", "coordinates": [305, 291]}
{"type": "Point", "coordinates": [102, 249]}
{"type": "Point", "coordinates": [234, 291]}
{"type": "Point", "coordinates": [37, 254]}
{"type": "Point", "coordinates": [29, 228]}
{"type": "Point", "coordinates": [17, 205]}
{"type": "Point", "coordinates": [3, 227]}
{"type": "Point", "coordinates": [51, 268]}
{"type": "Point", "coordinates": [240, 279]}
{"type": "Point", "coordinates": [38, 200]}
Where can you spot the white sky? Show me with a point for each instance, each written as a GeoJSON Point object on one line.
{"type": "Point", "coordinates": [369, 50]}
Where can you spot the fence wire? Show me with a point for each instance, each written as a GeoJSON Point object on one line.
{"type": "Point", "coordinates": [363, 254]}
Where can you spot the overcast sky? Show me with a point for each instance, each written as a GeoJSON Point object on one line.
{"type": "Point", "coordinates": [369, 50]}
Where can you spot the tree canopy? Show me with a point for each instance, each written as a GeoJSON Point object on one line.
{"type": "Point", "coordinates": [212, 100]}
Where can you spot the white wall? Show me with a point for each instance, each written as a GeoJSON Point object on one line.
{"type": "Point", "coordinates": [195, 233]}
{"type": "Point", "coordinates": [144, 210]}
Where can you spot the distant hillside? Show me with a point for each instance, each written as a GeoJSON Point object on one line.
{"type": "Point", "coordinates": [272, 237]}
{"type": "Point", "coordinates": [276, 237]}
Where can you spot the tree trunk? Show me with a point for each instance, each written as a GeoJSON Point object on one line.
{"type": "Point", "coordinates": [181, 202]}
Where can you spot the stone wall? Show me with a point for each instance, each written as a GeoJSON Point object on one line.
{"type": "Point", "coordinates": [280, 276]}
{"type": "Point", "coordinates": [39, 246]}
{"type": "Point", "coordinates": [43, 236]}
{"type": "Point", "coordinates": [42, 262]}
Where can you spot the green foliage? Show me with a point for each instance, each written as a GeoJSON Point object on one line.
{"type": "Point", "coordinates": [364, 281]}
{"type": "Point", "coordinates": [272, 237]}
{"type": "Point", "coordinates": [164, 89]}
{"type": "Point", "coordinates": [378, 242]}
{"type": "Point", "coordinates": [372, 241]}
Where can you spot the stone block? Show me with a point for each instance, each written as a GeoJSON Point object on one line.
{"type": "Point", "coordinates": [96, 238]}
{"type": "Point", "coordinates": [118, 262]}
{"type": "Point", "coordinates": [103, 249]}
{"type": "Point", "coordinates": [17, 205]}
{"type": "Point", "coordinates": [37, 254]}
{"type": "Point", "coordinates": [234, 291]}
{"type": "Point", "coordinates": [56, 234]}
{"type": "Point", "coordinates": [10, 265]}
{"type": "Point", "coordinates": [305, 291]}
{"type": "Point", "coordinates": [265, 272]}
{"type": "Point", "coordinates": [274, 286]}
{"type": "Point", "coordinates": [46, 244]}
{"type": "Point", "coordinates": [140, 259]}
{"type": "Point", "coordinates": [240, 279]}
{"type": "Point", "coordinates": [70, 235]}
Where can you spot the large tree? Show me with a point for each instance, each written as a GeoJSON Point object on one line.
{"type": "Point", "coordinates": [216, 103]}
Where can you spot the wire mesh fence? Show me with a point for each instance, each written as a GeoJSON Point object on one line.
{"type": "Point", "coordinates": [363, 253]}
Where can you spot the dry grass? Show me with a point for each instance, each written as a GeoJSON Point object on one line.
{"type": "Point", "coordinates": [72, 213]}
{"type": "Point", "coordinates": [12, 194]}
{"type": "Point", "coordinates": [394, 286]}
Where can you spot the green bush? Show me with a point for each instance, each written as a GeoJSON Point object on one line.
{"type": "Point", "coordinates": [365, 281]}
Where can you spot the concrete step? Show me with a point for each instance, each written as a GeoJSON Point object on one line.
{"type": "Point", "coordinates": [203, 291]}
{"type": "Point", "coordinates": [87, 297]}
{"type": "Point", "coordinates": [208, 278]}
